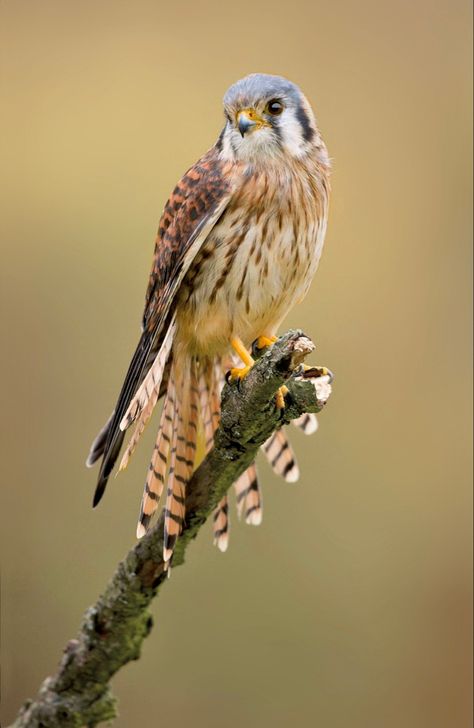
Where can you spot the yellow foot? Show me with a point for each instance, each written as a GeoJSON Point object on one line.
{"type": "Point", "coordinates": [280, 397]}
{"type": "Point", "coordinates": [240, 372]}
{"type": "Point", "coordinates": [264, 341]}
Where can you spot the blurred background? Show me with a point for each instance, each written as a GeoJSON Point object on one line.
{"type": "Point", "coordinates": [365, 619]}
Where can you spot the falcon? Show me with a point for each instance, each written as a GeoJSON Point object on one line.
{"type": "Point", "coordinates": [238, 244]}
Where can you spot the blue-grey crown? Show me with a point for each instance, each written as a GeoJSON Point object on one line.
{"type": "Point", "coordinates": [258, 86]}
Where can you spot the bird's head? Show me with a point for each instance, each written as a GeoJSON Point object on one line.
{"type": "Point", "coordinates": [267, 116]}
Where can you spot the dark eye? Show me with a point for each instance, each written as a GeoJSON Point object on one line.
{"type": "Point", "coordinates": [274, 107]}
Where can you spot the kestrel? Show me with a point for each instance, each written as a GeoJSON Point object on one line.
{"type": "Point", "coordinates": [238, 244]}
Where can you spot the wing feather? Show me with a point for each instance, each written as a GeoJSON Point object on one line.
{"type": "Point", "coordinates": [195, 206]}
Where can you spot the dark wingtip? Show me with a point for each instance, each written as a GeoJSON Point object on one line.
{"type": "Point", "coordinates": [99, 492]}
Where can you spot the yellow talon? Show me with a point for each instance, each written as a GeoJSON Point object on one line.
{"type": "Point", "coordinates": [264, 341]}
{"type": "Point", "coordinates": [240, 372]}
{"type": "Point", "coordinates": [280, 397]}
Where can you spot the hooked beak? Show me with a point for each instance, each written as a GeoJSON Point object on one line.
{"type": "Point", "coordinates": [247, 120]}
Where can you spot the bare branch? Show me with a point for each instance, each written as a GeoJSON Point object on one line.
{"type": "Point", "coordinates": [114, 628]}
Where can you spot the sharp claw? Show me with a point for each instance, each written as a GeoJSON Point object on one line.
{"type": "Point", "coordinates": [239, 373]}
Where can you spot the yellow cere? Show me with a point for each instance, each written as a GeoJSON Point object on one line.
{"type": "Point", "coordinates": [252, 115]}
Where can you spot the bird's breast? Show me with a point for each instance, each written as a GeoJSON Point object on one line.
{"type": "Point", "coordinates": [257, 262]}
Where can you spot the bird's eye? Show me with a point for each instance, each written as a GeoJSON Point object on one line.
{"type": "Point", "coordinates": [274, 107]}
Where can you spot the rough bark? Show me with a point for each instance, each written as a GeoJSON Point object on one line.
{"type": "Point", "coordinates": [114, 628]}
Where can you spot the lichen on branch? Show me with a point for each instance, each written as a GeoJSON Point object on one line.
{"type": "Point", "coordinates": [114, 628]}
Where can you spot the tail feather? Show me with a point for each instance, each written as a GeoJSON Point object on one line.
{"type": "Point", "coordinates": [209, 401]}
{"type": "Point", "coordinates": [157, 469]}
{"type": "Point", "coordinates": [147, 394]}
{"type": "Point", "coordinates": [187, 400]}
{"type": "Point", "coordinates": [183, 450]}
{"type": "Point", "coordinates": [307, 422]}
{"type": "Point", "coordinates": [249, 496]}
{"type": "Point", "coordinates": [280, 456]}
{"type": "Point", "coordinates": [137, 433]}
{"type": "Point", "coordinates": [221, 522]}
{"type": "Point", "coordinates": [206, 416]}
{"type": "Point", "coordinates": [210, 414]}
{"type": "Point", "coordinates": [220, 525]}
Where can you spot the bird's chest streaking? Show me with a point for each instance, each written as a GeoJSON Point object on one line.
{"type": "Point", "coordinates": [259, 260]}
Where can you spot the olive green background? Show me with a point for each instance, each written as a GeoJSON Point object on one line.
{"type": "Point", "coordinates": [350, 605]}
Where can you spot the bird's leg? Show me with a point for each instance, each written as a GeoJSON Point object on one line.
{"type": "Point", "coordinates": [239, 348]}
{"type": "Point", "coordinates": [264, 341]}
{"type": "Point", "coordinates": [240, 372]}
{"type": "Point", "coordinates": [261, 343]}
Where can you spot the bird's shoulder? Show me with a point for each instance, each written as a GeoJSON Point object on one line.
{"type": "Point", "coordinates": [201, 190]}
{"type": "Point", "coordinates": [200, 186]}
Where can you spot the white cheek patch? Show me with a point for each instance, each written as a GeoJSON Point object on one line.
{"type": "Point", "coordinates": [258, 143]}
{"type": "Point", "coordinates": [291, 133]}
{"type": "Point", "coordinates": [227, 152]}
{"type": "Point", "coordinates": [286, 138]}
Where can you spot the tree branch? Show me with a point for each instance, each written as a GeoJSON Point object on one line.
{"type": "Point", "coordinates": [114, 628]}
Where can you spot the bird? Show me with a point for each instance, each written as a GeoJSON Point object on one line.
{"type": "Point", "coordinates": [238, 244]}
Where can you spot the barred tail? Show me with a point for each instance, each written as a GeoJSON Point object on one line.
{"type": "Point", "coordinates": [159, 462]}
{"type": "Point", "coordinates": [187, 400]}
{"type": "Point", "coordinates": [209, 392]}
{"type": "Point", "coordinates": [183, 451]}
{"type": "Point", "coordinates": [220, 524]}
{"type": "Point", "coordinates": [137, 433]}
{"type": "Point", "coordinates": [142, 406]}
{"type": "Point", "coordinates": [249, 496]}
{"type": "Point", "coordinates": [308, 423]}
{"type": "Point", "coordinates": [280, 456]}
